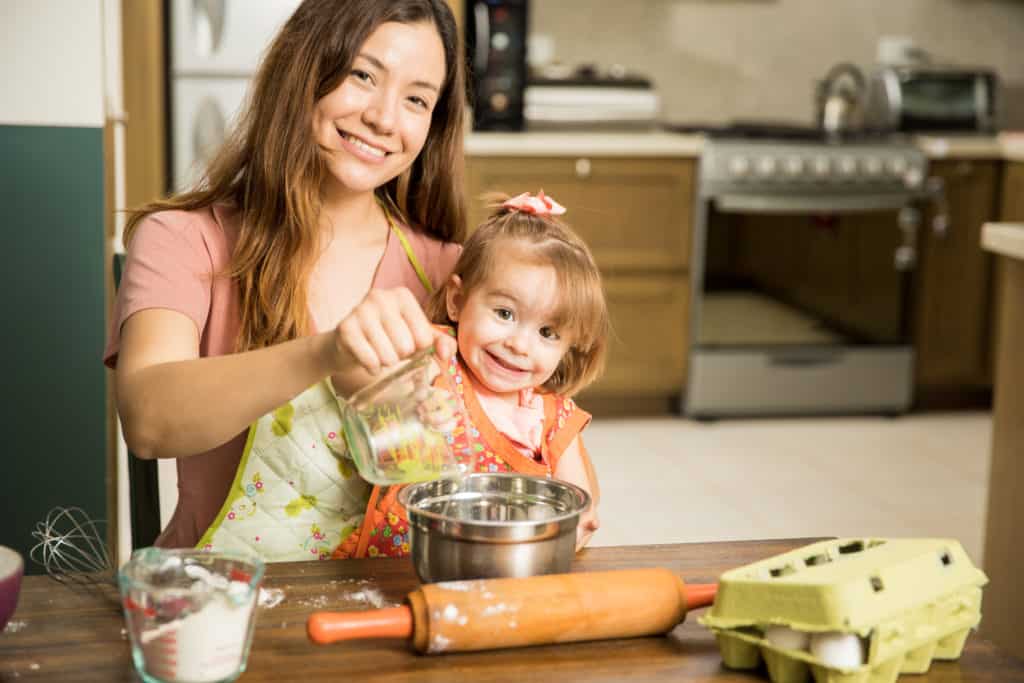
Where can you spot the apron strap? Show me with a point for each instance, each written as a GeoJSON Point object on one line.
{"type": "Point", "coordinates": [409, 253]}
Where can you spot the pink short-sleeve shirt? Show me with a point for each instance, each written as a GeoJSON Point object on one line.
{"type": "Point", "coordinates": [174, 261]}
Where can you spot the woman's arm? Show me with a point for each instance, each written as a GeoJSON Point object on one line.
{"type": "Point", "coordinates": [574, 467]}
{"type": "Point", "coordinates": [173, 403]}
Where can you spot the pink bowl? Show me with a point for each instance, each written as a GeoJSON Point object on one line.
{"type": "Point", "coordinates": [11, 569]}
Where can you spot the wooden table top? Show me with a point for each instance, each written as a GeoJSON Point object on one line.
{"type": "Point", "coordinates": [59, 634]}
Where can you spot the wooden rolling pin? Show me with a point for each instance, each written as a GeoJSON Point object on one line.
{"type": "Point", "coordinates": [497, 613]}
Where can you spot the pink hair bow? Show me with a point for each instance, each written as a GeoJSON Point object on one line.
{"type": "Point", "coordinates": [540, 205]}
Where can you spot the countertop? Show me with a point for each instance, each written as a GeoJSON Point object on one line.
{"type": "Point", "coordinates": [68, 636]}
{"type": "Point", "coordinates": [575, 143]}
{"type": "Point", "coordinates": [1012, 146]}
{"type": "Point", "coordinates": [1005, 239]}
{"type": "Point", "coordinates": [1009, 146]}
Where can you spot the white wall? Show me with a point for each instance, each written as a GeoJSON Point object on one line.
{"type": "Point", "coordinates": [718, 60]}
{"type": "Point", "coordinates": [51, 62]}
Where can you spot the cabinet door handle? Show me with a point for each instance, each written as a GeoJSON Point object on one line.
{"type": "Point", "coordinates": [583, 168]}
{"type": "Point", "coordinates": [936, 190]}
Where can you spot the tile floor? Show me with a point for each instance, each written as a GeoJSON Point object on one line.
{"type": "Point", "coordinates": [670, 480]}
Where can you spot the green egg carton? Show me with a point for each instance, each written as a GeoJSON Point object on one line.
{"type": "Point", "coordinates": [909, 601]}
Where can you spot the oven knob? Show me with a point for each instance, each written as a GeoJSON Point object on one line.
{"type": "Point", "coordinates": [501, 41]}
{"type": "Point", "coordinates": [897, 166]}
{"type": "Point", "coordinates": [873, 166]}
{"type": "Point", "coordinates": [739, 167]}
{"type": "Point", "coordinates": [821, 167]}
{"type": "Point", "coordinates": [794, 166]}
{"type": "Point", "coordinates": [499, 101]}
{"type": "Point", "coordinates": [913, 177]}
{"type": "Point", "coordinates": [766, 166]}
{"type": "Point", "coordinates": [847, 166]}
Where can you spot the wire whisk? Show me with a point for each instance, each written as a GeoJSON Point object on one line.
{"type": "Point", "coordinates": [72, 549]}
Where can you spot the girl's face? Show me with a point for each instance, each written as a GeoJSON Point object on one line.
{"type": "Point", "coordinates": [374, 124]}
{"type": "Point", "coordinates": [506, 333]}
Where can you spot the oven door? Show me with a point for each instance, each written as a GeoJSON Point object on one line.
{"type": "Point", "coordinates": [802, 306]}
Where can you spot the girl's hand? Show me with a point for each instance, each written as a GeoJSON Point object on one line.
{"type": "Point", "coordinates": [386, 327]}
{"type": "Point", "coordinates": [437, 408]}
{"type": "Point", "coordinates": [589, 523]}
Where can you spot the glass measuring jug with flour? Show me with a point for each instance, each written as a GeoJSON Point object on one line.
{"type": "Point", "coordinates": [399, 430]}
{"type": "Point", "coordinates": [189, 614]}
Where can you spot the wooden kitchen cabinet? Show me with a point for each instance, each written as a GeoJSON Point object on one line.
{"type": "Point", "coordinates": [1011, 209]}
{"type": "Point", "coordinates": [952, 303]}
{"type": "Point", "coordinates": [647, 348]}
{"type": "Point", "coordinates": [636, 214]}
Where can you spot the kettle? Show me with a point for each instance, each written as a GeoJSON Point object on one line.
{"type": "Point", "coordinates": [840, 100]}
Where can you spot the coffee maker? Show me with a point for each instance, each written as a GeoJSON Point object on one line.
{"type": "Point", "coordinates": [496, 54]}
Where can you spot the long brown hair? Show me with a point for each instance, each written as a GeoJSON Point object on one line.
{"type": "Point", "coordinates": [270, 168]}
{"type": "Point", "coordinates": [581, 313]}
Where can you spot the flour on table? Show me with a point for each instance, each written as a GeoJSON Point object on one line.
{"type": "Point", "coordinates": [15, 626]}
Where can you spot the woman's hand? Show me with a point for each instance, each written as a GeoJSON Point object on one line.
{"type": "Point", "coordinates": [385, 328]}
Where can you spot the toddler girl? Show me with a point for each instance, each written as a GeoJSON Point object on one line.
{"type": "Point", "coordinates": [527, 309]}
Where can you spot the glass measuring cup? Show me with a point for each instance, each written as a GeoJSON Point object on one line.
{"type": "Point", "coordinates": [189, 613]}
{"type": "Point", "coordinates": [399, 429]}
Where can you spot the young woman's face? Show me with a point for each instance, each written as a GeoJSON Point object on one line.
{"type": "Point", "coordinates": [374, 124]}
{"type": "Point", "coordinates": [506, 332]}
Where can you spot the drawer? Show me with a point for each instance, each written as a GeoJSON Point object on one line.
{"type": "Point", "coordinates": [650, 339]}
{"type": "Point", "coordinates": [636, 214]}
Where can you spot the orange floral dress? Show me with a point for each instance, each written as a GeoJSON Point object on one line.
{"type": "Point", "coordinates": [476, 443]}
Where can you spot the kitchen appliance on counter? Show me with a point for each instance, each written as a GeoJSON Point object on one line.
{"type": "Point", "coordinates": [926, 97]}
{"type": "Point", "coordinates": [215, 48]}
{"type": "Point", "coordinates": [496, 52]}
{"type": "Point", "coordinates": [804, 251]}
{"type": "Point", "coordinates": [840, 99]}
{"type": "Point", "coordinates": [591, 98]}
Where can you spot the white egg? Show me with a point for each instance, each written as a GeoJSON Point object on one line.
{"type": "Point", "coordinates": [838, 650]}
{"type": "Point", "coordinates": [786, 637]}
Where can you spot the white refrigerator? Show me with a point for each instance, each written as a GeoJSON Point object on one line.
{"type": "Point", "coordinates": [215, 47]}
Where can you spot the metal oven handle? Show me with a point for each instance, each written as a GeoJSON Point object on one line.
{"type": "Point", "coordinates": [752, 203]}
{"type": "Point", "coordinates": [805, 358]}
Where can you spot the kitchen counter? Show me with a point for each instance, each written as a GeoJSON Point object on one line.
{"type": "Point", "coordinates": [63, 635]}
{"type": "Point", "coordinates": [1013, 146]}
{"type": "Point", "coordinates": [961, 147]}
{"type": "Point", "coordinates": [1005, 239]}
{"type": "Point", "coordinates": [574, 143]}
{"type": "Point", "coordinates": [1008, 146]}
{"type": "Point", "coordinates": [1004, 527]}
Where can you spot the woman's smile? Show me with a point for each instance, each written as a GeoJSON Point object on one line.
{"type": "Point", "coordinates": [375, 122]}
{"type": "Point", "coordinates": [361, 148]}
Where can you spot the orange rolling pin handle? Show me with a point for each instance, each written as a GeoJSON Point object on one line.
{"type": "Point", "coordinates": [699, 594]}
{"type": "Point", "coordinates": [330, 627]}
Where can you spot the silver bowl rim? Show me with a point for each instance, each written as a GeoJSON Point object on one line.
{"type": "Point", "coordinates": [406, 492]}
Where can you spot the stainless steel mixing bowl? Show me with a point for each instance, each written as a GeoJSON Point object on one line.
{"type": "Point", "coordinates": [492, 525]}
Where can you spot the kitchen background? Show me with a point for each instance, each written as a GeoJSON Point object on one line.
{"type": "Point", "coordinates": [719, 60]}
{"type": "Point", "coordinates": [66, 122]}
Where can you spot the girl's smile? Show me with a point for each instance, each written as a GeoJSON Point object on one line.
{"type": "Point", "coordinates": [507, 329]}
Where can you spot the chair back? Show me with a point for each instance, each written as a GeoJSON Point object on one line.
{"type": "Point", "coordinates": [143, 475]}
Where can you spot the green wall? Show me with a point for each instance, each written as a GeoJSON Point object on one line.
{"type": "Point", "coordinates": [54, 409]}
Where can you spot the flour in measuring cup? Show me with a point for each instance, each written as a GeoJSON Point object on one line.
{"type": "Point", "coordinates": [203, 646]}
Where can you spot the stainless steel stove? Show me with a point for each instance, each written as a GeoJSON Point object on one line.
{"type": "Point", "coordinates": [805, 250]}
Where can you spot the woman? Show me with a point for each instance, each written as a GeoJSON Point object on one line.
{"type": "Point", "coordinates": [307, 249]}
